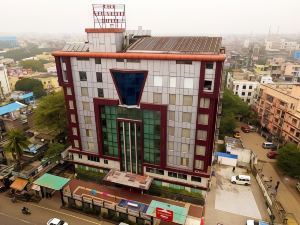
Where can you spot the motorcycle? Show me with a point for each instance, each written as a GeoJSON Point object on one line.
{"type": "Point", "coordinates": [26, 211]}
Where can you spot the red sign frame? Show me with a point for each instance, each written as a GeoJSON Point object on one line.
{"type": "Point", "coordinates": [164, 214]}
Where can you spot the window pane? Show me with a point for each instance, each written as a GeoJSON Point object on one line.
{"type": "Point", "coordinates": [76, 143]}
{"type": "Point", "coordinates": [157, 81]}
{"type": "Point", "coordinates": [185, 148]}
{"type": "Point", "coordinates": [172, 99]}
{"type": "Point", "coordinates": [186, 117]}
{"type": "Point", "coordinates": [172, 115]}
{"type": "Point", "coordinates": [88, 132]}
{"type": "Point", "coordinates": [84, 91]}
{"type": "Point", "coordinates": [201, 135]}
{"type": "Point", "coordinates": [87, 120]}
{"type": "Point", "coordinates": [187, 100]}
{"type": "Point", "coordinates": [171, 131]}
{"type": "Point", "coordinates": [208, 85]}
{"type": "Point", "coordinates": [74, 131]}
{"type": "Point", "coordinates": [203, 119]}
{"type": "Point", "coordinates": [186, 133]}
{"type": "Point", "coordinates": [98, 60]}
{"type": "Point", "coordinates": [209, 65]}
{"type": "Point", "coordinates": [204, 103]}
{"type": "Point", "coordinates": [100, 93]}
{"type": "Point", "coordinates": [173, 82]}
{"type": "Point", "coordinates": [71, 104]}
{"type": "Point", "coordinates": [73, 118]}
{"type": "Point", "coordinates": [90, 145]}
{"type": "Point", "coordinates": [69, 91]}
{"type": "Point", "coordinates": [171, 145]}
{"type": "Point", "coordinates": [82, 76]}
{"type": "Point", "coordinates": [199, 164]}
{"type": "Point", "coordinates": [86, 106]}
{"type": "Point", "coordinates": [157, 98]}
{"type": "Point", "coordinates": [200, 150]}
{"type": "Point", "coordinates": [99, 76]}
{"type": "Point", "coordinates": [188, 83]}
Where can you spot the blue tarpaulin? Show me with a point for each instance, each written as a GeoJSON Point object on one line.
{"type": "Point", "coordinates": [27, 95]}
{"type": "Point", "coordinates": [222, 154]}
{"type": "Point", "coordinates": [11, 107]}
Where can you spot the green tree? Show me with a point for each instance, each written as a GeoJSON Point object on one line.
{"type": "Point", "coordinates": [30, 84]}
{"type": "Point", "coordinates": [51, 113]}
{"type": "Point", "coordinates": [35, 65]}
{"type": "Point", "coordinates": [288, 160]}
{"type": "Point", "coordinates": [17, 142]}
{"type": "Point", "coordinates": [54, 150]}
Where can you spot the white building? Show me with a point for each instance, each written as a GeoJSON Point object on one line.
{"type": "Point", "coordinates": [244, 85]}
{"type": "Point", "coordinates": [4, 83]}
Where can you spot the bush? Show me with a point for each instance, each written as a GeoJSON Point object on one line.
{"type": "Point", "coordinates": [288, 160]}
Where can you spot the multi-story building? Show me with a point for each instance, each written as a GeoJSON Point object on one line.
{"type": "Point", "coordinates": [244, 85]}
{"type": "Point", "coordinates": [291, 72]}
{"type": "Point", "coordinates": [262, 70]}
{"type": "Point", "coordinates": [4, 82]}
{"type": "Point", "coordinates": [150, 108]}
{"type": "Point", "coordinates": [278, 109]}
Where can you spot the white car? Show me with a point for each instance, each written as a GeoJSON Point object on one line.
{"type": "Point", "coordinates": [55, 221]}
{"type": "Point", "coordinates": [241, 179]}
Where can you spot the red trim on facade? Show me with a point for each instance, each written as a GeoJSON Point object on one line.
{"type": "Point", "coordinates": [59, 71]}
{"type": "Point", "coordinates": [145, 72]}
{"type": "Point", "coordinates": [163, 134]}
{"type": "Point", "coordinates": [149, 56]}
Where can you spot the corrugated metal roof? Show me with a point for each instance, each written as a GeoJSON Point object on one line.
{"type": "Point", "coordinates": [11, 107]}
{"type": "Point", "coordinates": [76, 47]}
{"type": "Point", "coordinates": [183, 45]}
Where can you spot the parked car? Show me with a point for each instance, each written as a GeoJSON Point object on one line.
{"type": "Point", "coordinates": [256, 222]}
{"type": "Point", "coordinates": [268, 145]}
{"type": "Point", "coordinates": [272, 154]}
{"type": "Point", "coordinates": [245, 128]}
{"type": "Point", "coordinates": [241, 179]}
{"type": "Point", "coordinates": [55, 221]}
{"type": "Point", "coordinates": [236, 134]}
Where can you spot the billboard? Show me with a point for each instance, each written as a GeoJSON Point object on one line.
{"type": "Point", "coordinates": [297, 54]}
{"type": "Point", "coordinates": [164, 214]}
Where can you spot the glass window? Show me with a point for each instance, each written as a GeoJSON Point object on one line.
{"type": "Point", "coordinates": [86, 106]}
{"type": "Point", "coordinates": [186, 117]}
{"type": "Point", "coordinates": [243, 93]}
{"type": "Point", "coordinates": [71, 104]}
{"type": "Point", "coordinates": [82, 76]}
{"type": "Point", "coordinates": [182, 176]}
{"type": "Point", "coordinates": [249, 93]}
{"type": "Point", "coordinates": [244, 87]}
{"type": "Point", "coordinates": [171, 145]}
{"type": "Point", "coordinates": [157, 98]}
{"type": "Point", "coordinates": [119, 60]}
{"type": "Point", "coordinates": [209, 65]}
{"type": "Point", "coordinates": [171, 115]}
{"type": "Point", "coordinates": [99, 77]}
{"type": "Point", "coordinates": [184, 161]}
{"type": "Point", "coordinates": [87, 120]}
{"type": "Point", "coordinates": [196, 179]}
{"type": "Point", "coordinates": [100, 93]}
{"type": "Point", "coordinates": [76, 144]}
{"type": "Point", "coordinates": [208, 85]}
{"type": "Point", "coordinates": [200, 150]}
{"type": "Point", "coordinates": [82, 59]}
{"type": "Point", "coordinates": [185, 148]}
{"type": "Point", "coordinates": [250, 86]}
{"type": "Point", "coordinates": [171, 131]}
{"type": "Point", "coordinates": [84, 91]}
{"type": "Point", "coordinates": [73, 118]}
{"type": "Point", "coordinates": [74, 131]}
{"type": "Point", "coordinates": [203, 119]}
{"type": "Point", "coordinates": [173, 82]}
{"type": "Point", "coordinates": [90, 145]}
{"type": "Point", "coordinates": [172, 99]}
{"type": "Point", "coordinates": [187, 62]}
{"type": "Point", "coordinates": [201, 135]}
{"type": "Point", "coordinates": [199, 164]}
{"type": "Point", "coordinates": [186, 133]}
{"type": "Point", "coordinates": [69, 91]}
{"type": "Point", "coordinates": [157, 81]}
{"type": "Point", "coordinates": [187, 100]}
{"type": "Point", "coordinates": [88, 132]}
{"type": "Point", "coordinates": [188, 83]}
{"type": "Point", "coordinates": [204, 103]}
{"type": "Point", "coordinates": [97, 60]}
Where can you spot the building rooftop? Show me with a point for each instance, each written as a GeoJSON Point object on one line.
{"type": "Point", "coordinates": [44, 75]}
{"type": "Point", "coordinates": [231, 142]}
{"type": "Point", "coordinates": [182, 45]}
{"type": "Point", "coordinates": [11, 108]}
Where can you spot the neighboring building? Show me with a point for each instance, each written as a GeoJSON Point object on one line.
{"type": "Point", "coordinates": [261, 70]}
{"type": "Point", "coordinates": [50, 67]}
{"type": "Point", "coordinates": [22, 96]}
{"type": "Point", "coordinates": [278, 108]}
{"type": "Point", "coordinates": [244, 85]}
{"type": "Point", "coordinates": [150, 109]}
{"type": "Point", "coordinates": [49, 81]}
{"type": "Point", "coordinates": [8, 42]}
{"type": "Point", "coordinates": [291, 72]}
{"type": "Point", "coordinates": [4, 82]}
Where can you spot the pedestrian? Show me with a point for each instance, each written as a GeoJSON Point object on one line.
{"type": "Point", "coordinates": [233, 169]}
{"type": "Point", "coordinates": [277, 185]}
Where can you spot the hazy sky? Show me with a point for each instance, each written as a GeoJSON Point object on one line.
{"type": "Point", "coordinates": [163, 17]}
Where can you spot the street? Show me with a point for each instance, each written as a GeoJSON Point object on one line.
{"type": "Point", "coordinates": [10, 213]}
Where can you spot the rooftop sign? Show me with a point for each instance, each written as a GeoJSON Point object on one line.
{"type": "Point", "coordinates": [109, 16]}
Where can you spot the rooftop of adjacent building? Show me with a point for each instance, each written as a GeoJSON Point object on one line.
{"type": "Point", "coordinates": [288, 89]}
{"type": "Point", "coordinates": [44, 75]}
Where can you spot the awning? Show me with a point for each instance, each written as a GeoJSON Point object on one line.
{"type": "Point", "coordinates": [19, 184]}
{"type": "Point", "coordinates": [35, 187]}
{"type": "Point", "coordinates": [51, 181]}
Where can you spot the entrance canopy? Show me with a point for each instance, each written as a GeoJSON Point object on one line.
{"type": "Point", "coordinates": [51, 181]}
{"type": "Point", "coordinates": [129, 179]}
{"type": "Point", "coordinates": [167, 212]}
{"type": "Point", "coordinates": [19, 184]}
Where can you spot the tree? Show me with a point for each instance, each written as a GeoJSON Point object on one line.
{"type": "Point", "coordinates": [35, 65]}
{"type": "Point", "coordinates": [17, 142]}
{"type": "Point", "coordinates": [51, 113]}
{"type": "Point", "coordinates": [288, 160]}
{"type": "Point", "coordinates": [30, 84]}
{"type": "Point", "coordinates": [54, 150]}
